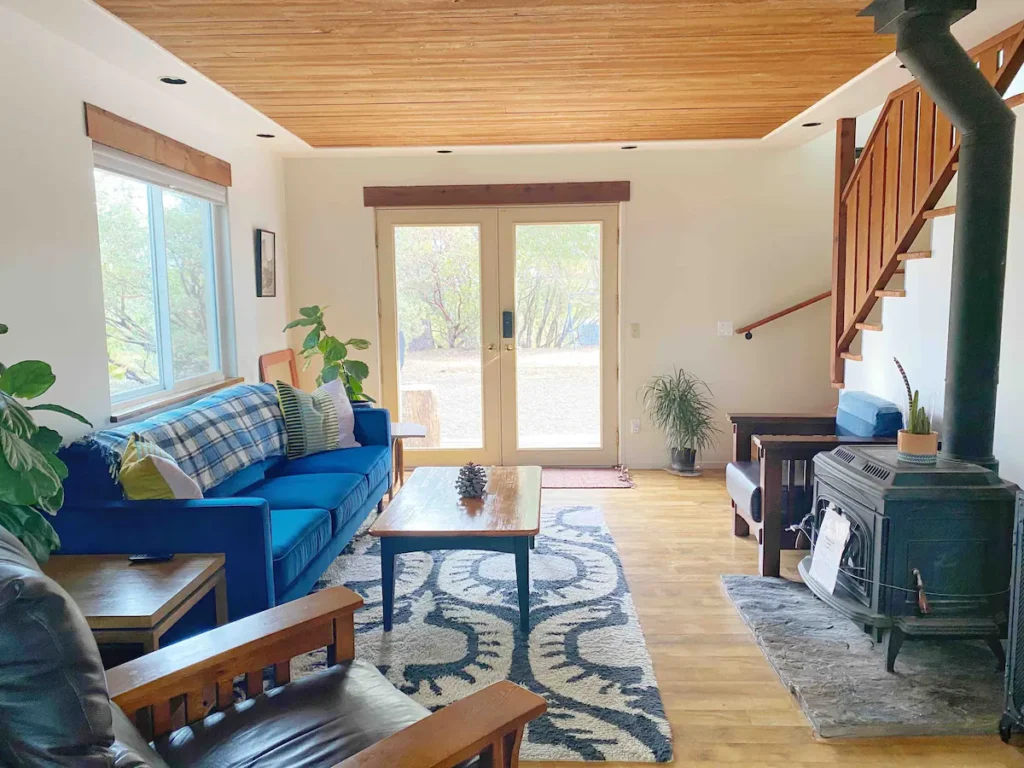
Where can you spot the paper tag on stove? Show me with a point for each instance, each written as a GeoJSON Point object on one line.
{"type": "Point", "coordinates": [829, 547]}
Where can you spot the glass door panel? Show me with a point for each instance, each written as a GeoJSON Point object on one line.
{"type": "Point", "coordinates": [437, 331]}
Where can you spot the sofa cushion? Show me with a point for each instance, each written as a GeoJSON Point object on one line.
{"type": "Point", "coordinates": [130, 749]}
{"type": "Point", "coordinates": [743, 482]}
{"type": "Point", "coordinates": [316, 722]}
{"type": "Point", "coordinates": [340, 494]}
{"type": "Point", "coordinates": [237, 482]}
{"type": "Point", "coordinates": [297, 536]}
{"type": "Point", "coordinates": [54, 709]}
{"type": "Point", "coordinates": [373, 461]}
{"type": "Point", "coordinates": [862, 414]}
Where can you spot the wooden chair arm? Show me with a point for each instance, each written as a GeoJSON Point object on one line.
{"type": "Point", "coordinates": [796, 447]}
{"type": "Point", "coordinates": [193, 666]}
{"type": "Point", "coordinates": [490, 721]}
{"type": "Point", "coordinates": [746, 425]}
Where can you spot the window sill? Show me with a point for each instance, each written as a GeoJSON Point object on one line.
{"type": "Point", "coordinates": [165, 400]}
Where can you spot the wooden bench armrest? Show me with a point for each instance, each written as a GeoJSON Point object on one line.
{"type": "Point", "coordinates": [806, 446]}
{"type": "Point", "coordinates": [746, 425]}
{"type": "Point", "coordinates": [321, 620]}
{"type": "Point", "coordinates": [491, 721]}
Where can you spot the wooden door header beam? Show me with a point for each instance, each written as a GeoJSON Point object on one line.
{"type": "Point", "coordinates": [110, 130]}
{"type": "Point", "coordinates": [497, 194]}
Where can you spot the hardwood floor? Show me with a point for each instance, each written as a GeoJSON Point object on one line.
{"type": "Point", "coordinates": [725, 704]}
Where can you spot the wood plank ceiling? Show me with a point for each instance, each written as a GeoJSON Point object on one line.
{"type": "Point", "coordinates": [373, 73]}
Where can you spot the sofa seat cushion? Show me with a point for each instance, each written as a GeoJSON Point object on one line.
{"type": "Point", "coordinates": [340, 494]}
{"type": "Point", "coordinates": [297, 536]}
{"type": "Point", "coordinates": [372, 461]}
{"type": "Point", "coordinates": [315, 722]}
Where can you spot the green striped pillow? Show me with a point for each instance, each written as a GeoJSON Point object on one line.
{"type": "Point", "coordinates": [310, 420]}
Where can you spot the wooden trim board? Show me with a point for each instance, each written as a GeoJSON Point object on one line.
{"type": "Point", "coordinates": [566, 193]}
{"type": "Point", "coordinates": [165, 400]}
{"type": "Point", "coordinates": [110, 130]}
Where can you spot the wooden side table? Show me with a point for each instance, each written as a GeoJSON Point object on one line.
{"type": "Point", "coordinates": [401, 430]}
{"type": "Point", "coordinates": [125, 603]}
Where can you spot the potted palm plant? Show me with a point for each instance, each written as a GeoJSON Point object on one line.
{"type": "Point", "coordinates": [679, 404]}
{"type": "Point", "coordinates": [917, 443]}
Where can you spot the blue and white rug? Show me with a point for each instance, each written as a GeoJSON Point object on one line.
{"type": "Point", "coordinates": [456, 630]}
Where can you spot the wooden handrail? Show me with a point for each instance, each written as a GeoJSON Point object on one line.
{"type": "Point", "coordinates": [746, 329]}
{"type": "Point", "coordinates": [905, 166]}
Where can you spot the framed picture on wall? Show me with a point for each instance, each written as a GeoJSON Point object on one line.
{"type": "Point", "coordinates": [266, 263]}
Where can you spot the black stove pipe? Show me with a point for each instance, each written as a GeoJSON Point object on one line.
{"type": "Point", "coordinates": [986, 128]}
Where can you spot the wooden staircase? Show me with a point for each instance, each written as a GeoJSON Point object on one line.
{"type": "Point", "coordinates": [884, 198]}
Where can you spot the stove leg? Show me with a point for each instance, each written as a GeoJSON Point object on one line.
{"type": "Point", "coordinates": [893, 641]}
{"type": "Point", "coordinates": [875, 632]}
{"type": "Point", "coordinates": [997, 648]}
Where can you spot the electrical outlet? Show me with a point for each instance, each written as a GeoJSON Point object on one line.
{"type": "Point", "coordinates": [634, 330]}
{"type": "Point", "coordinates": [725, 328]}
{"type": "Point", "coordinates": [634, 426]}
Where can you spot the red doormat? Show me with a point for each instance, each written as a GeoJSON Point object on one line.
{"type": "Point", "coordinates": [583, 477]}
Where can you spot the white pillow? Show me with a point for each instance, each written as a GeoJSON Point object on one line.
{"type": "Point", "coordinates": [346, 419]}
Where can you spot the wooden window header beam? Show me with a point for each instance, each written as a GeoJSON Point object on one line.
{"type": "Point", "coordinates": [110, 130]}
{"type": "Point", "coordinates": [497, 194]}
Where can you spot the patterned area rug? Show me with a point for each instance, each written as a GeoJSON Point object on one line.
{"type": "Point", "coordinates": [456, 630]}
{"type": "Point", "coordinates": [837, 672]}
{"type": "Point", "coordinates": [583, 477]}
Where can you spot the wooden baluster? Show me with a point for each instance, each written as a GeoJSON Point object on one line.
{"type": "Point", "coordinates": [254, 683]}
{"type": "Point", "coordinates": [892, 176]}
{"type": "Point", "coordinates": [846, 152]}
{"type": "Point", "coordinates": [988, 63]}
{"type": "Point", "coordinates": [943, 140]}
{"type": "Point", "coordinates": [876, 245]}
{"type": "Point", "coordinates": [282, 672]}
{"type": "Point", "coordinates": [852, 214]}
{"type": "Point", "coordinates": [925, 148]}
{"type": "Point", "coordinates": [908, 162]}
{"type": "Point", "coordinates": [863, 234]}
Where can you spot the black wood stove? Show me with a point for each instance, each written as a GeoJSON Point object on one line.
{"type": "Point", "coordinates": [929, 548]}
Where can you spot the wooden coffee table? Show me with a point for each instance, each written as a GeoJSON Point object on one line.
{"type": "Point", "coordinates": [125, 603]}
{"type": "Point", "coordinates": [427, 514]}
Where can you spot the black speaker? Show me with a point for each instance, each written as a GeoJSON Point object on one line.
{"type": "Point", "coordinates": [1012, 717]}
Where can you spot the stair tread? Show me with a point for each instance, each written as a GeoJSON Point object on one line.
{"type": "Point", "coordinates": [869, 326]}
{"type": "Point", "coordinates": [949, 210]}
{"type": "Point", "coordinates": [851, 356]}
{"type": "Point", "coordinates": [890, 294]}
{"type": "Point", "coordinates": [910, 255]}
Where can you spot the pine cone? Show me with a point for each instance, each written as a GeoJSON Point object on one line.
{"type": "Point", "coordinates": [471, 481]}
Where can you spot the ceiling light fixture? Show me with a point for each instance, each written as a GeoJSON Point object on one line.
{"type": "Point", "coordinates": [265, 135]}
{"type": "Point", "coordinates": [444, 151]}
{"type": "Point", "coordinates": [811, 125]}
{"type": "Point", "coordinates": [172, 80]}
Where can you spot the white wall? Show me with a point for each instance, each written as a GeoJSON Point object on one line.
{"type": "Point", "coordinates": [709, 235]}
{"type": "Point", "coordinates": [50, 283]}
{"type": "Point", "coordinates": [915, 330]}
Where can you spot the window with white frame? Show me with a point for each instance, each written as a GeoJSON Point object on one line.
{"type": "Point", "coordinates": [163, 248]}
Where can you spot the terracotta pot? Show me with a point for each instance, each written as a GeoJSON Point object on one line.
{"type": "Point", "coordinates": [920, 449]}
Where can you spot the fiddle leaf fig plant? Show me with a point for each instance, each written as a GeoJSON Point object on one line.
{"type": "Point", "coordinates": [336, 362]}
{"type": "Point", "coordinates": [31, 475]}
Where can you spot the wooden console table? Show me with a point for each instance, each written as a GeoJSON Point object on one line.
{"type": "Point", "coordinates": [125, 603]}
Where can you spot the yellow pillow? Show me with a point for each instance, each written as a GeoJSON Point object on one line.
{"type": "Point", "coordinates": [148, 472]}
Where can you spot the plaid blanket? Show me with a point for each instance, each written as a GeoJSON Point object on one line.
{"type": "Point", "coordinates": [212, 438]}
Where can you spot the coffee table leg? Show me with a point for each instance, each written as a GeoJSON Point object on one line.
{"type": "Point", "coordinates": [522, 551]}
{"type": "Point", "coordinates": [533, 542]}
{"type": "Point", "coordinates": [387, 580]}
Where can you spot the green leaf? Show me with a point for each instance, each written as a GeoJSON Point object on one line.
{"type": "Point", "coordinates": [59, 409]}
{"type": "Point", "coordinates": [3, 329]}
{"type": "Point", "coordinates": [45, 440]}
{"type": "Point", "coordinates": [51, 504]}
{"type": "Point", "coordinates": [311, 339]}
{"type": "Point", "coordinates": [25, 474]}
{"type": "Point", "coordinates": [357, 369]}
{"type": "Point", "coordinates": [31, 528]}
{"type": "Point", "coordinates": [311, 312]}
{"type": "Point", "coordinates": [358, 343]}
{"type": "Point", "coordinates": [302, 321]}
{"type": "Point", "coordinates": [334, 350]}
{"type": "Point", "coordinates": [330, 373]}
{"type": "Point", "coordinates": [59, 467]}
{"type": "Point", "coordinates": [15, 417]}
{"type": "Point", "coordinates": [27, 379]}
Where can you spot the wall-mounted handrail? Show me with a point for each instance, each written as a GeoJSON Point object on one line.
{"type": "Point", "coordinates": [746, 329]}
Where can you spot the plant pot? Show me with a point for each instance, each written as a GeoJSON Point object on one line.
{"type": "Point", "coordinates": [361, 403]}
{"type": "Point", "coordinates": [684, 462]}
{"type": "Point", "coordinates": [917, 449]}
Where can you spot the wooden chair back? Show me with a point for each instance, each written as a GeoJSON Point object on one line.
{"type": "Point", "coordinates": [279, 366]}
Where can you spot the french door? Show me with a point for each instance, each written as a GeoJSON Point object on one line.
{"type": "Point", "coordinates": [499, 332]}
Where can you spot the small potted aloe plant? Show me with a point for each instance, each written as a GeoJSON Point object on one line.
{"type": "Point", "coordinates": [917, 443]}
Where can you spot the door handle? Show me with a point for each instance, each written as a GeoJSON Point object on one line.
{"type": "Point", "coordinates": [491, 347]}
{"type": "Point", "coordinates": [509, 347]}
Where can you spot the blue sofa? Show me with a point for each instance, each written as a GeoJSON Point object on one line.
{"type": "Point", "coordinates": [279, 522]}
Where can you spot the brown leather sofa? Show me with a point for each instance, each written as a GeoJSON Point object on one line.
{"type": "Point", "coordinates": [175, 707]}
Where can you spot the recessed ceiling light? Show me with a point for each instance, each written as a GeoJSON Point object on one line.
{"type": "Point", "coordinates": [444, 151]}
{"type": "Point", "coordinates": [811, 125]}
{"type": "Point", "coordinates": [265, 135]}
{"type": "Point", "coordinates": [172, 80]}
{"type": "Point", "coordinates": [629, 146]}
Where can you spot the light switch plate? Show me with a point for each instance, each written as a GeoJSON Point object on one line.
{"type": "Point", "coordinates": [725, 328]}
{"type": "Point", "coordinates": [634, 330]}
{"type": "Point", "coordinates": [634, 426]}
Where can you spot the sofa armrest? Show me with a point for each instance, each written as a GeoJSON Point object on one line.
{"type": "Point", "coordinates": [237, 527]}
{"type": "Point", "coordinates": [488, 721]}
{"type": "Point", "coordinates": [214, 658]}
{"type": "Point", "coordinates": [373, 426]}
{"type": "Point", "coordinates": [746, 425]}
